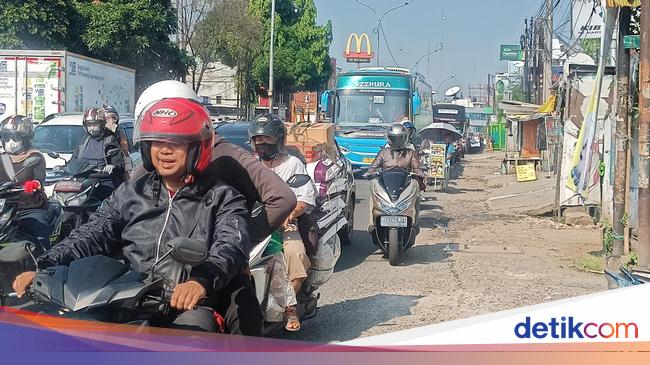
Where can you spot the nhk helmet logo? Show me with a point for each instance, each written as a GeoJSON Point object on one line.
{"type": "Point", "coordinates": [358, 56]}
{"type": "Point", "coordinates": [164, 113]}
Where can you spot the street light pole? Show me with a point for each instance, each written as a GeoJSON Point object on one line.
{"type": "Point", "coordinates": [417, 62]}
{"type": "Point", "coordinates": [380, 18]}
{"type": "Point", "coordinates": [271, 57]}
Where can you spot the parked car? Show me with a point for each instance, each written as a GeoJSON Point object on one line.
{"type": "Point", "coordinates": [337, 180]}
{"type": "Point", "coordinates": [58, 137]}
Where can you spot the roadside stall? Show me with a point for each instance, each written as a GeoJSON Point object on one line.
{"type": "Point", "coordinates": [434, 152]}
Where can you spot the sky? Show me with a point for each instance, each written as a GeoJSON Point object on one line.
{"type": "Point", "coordinates": [473, 31]}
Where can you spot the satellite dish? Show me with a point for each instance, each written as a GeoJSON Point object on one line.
{"type": "Point", "coordinates": [452, 91]}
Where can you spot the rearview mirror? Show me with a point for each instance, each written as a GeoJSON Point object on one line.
{"type": "Point", "coordinates": [188, 251]}
{"type": "Point", "coordinates": [298, 180]}
{"type": "Point", "coordinates": [53, 154]}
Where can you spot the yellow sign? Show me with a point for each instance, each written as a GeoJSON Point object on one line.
{"type": "Point", "coordinates": [526, 172]}
{"type": "Point", "coordinates": [358, 56]}
{"type": "Point", "coordinates": [368, 159]}
{"type": "Point", "coordinates": [627, 3]}
{"type": "Point", "coordinates": [437, 169]}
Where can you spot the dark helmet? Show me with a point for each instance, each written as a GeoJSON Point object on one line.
{"type": "Point", "coordinates": [18, 128]}
{"type": "Point", "coordinates": [397, 135]}
{"type": "Point", "coordinates": [411, 128]}
{"type": "Point", "coordinates": [110, 110]}
{"type": "Point", "coordinates": [95, 115]}
{"type": "Point", "coordinates": [269, 125]}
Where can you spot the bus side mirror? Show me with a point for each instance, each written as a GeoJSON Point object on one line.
{"type": "Point", "coordinates": [327, 103]}
{"type": "Point", "coordinates": [417, 101]}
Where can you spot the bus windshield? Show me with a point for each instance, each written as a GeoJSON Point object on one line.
{"type": "Point", "coordinates": [371, 107]}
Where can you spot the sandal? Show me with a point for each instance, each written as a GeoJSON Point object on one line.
{"type": "Point", "coordinates": [293, 322]}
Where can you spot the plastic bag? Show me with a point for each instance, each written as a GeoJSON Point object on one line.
{"type": "Point", "coordinates": [281, 293]}
{"type": "Point", "coordinates": [322, 264]}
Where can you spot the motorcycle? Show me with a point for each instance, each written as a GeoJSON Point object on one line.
{"type": "Point", "coordinates": [101, 288]}
{"type": "Point", "coordinates": [9, 234]}
{"type": "Point", "coordinates": [80, 191]}
{"type": "Point", "coordinates": [330, 216]}
{"type": "Point", "coordinates": [395, 207]}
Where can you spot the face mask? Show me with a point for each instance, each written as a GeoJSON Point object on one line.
{"type": "Point", "coordinates": [12, 146]}
{"type": "Point", "coordinates": [266, 151]}
{"type": "Point", "coordinates": [94, 130]}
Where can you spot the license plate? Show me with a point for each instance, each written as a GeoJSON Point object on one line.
{"type": "Point", "coordinates": [68, 186]}
{"type": "Point", "coordinates": [368, 159]}
{"type": "Point", "coordinates": [393, 221]}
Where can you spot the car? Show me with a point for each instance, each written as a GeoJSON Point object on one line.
{"type": "Point", "coordinates": [342, 184]}
{"type": "Point", "coordinates": [58, 136]}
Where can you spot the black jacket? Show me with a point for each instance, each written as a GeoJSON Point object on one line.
{"type": "Point", "coordinates": [37, 200]}
{"type": "Point", "coordinates": [241, 170]}
{"type": "Point", "coordinates": [139, 225]}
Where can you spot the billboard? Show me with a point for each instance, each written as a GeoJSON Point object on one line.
{"type": "Point", "coordinates": [357, 55]}
{"type": "Point", "coordinates": [586, 19]}
{"type": "Point", "coordinates": [510, 52]}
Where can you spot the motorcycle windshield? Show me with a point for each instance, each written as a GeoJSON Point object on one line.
{"type": "Point", "coordinates": [88, 276]}
{"type": "Point", "coordinates": [77, 167]}
{"type": "Point", "coordinates": [394, 181]}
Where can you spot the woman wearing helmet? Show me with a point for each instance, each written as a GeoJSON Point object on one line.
{"type": "Point", "coordinates": [101, 147]}
{"type": "Point", "coordinates": [267, 134]}
{"type": "Point", "coordinates": [175, 198]}
{"type": "Point", "coordinates": [112, 121]}
{"type": "Point", "coordinates": [234, 166]}
{"type": "Point", "coordinates": [32, 218]}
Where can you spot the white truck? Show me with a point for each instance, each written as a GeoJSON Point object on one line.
{"type": "Point", "coordinates": [40, 83]}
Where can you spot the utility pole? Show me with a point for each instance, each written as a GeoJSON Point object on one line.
{"type": "Point", "coordinates": [622, 143]}
{"type": "Point", "coordinates": [643, 250]}
{"type": "Point", "coordinates": [271, 57]}
{"type": "Point", "coordinates": [548, 51]}
{"type": "Point", "coordinates": [526, 53]}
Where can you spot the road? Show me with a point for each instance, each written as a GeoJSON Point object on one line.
{"type": "Point", "coordinates": [478, 252]}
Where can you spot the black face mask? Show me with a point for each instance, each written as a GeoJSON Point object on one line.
{"type": "Point", "coordinates": [266, 151]}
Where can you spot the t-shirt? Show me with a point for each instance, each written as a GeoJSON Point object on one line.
{"type": "Point", "coordinates": [292, 166]}
{"type": "Point", "coordinates": [451, 148]}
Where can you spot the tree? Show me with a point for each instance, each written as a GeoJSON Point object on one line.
{"type": "Point", "coordinates": [301, 52]}
{"type": "Point", "coordinates": [34, 23]}
{"type": "Point", "coordinates": [134, 33]}
{"type": "Point", "coordinates": [591, 46]}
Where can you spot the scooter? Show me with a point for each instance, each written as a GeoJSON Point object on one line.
{"type": "Point", "coordinates": [101, 288]}
{"type": "Point", "coordinates": [330, 218]}
{"type": "Point", "coordinates": [395, 208]}
{"type": "Point", "coordinates": [80, 192]}
{"type": "Point", "coordinates": [9, 234]}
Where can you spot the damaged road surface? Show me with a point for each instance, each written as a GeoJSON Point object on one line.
{"type": "Point", "coordinates": [481, 249]}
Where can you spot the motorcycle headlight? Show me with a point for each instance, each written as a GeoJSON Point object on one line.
{"type": "Point", "coordinates": [77, 200]}
{"type": "Point", "coordinates": [404, 205]}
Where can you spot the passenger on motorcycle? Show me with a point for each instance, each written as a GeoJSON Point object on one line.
{"type": "Point", "coordinates": [32, 217]}
{"type": "Point", "coordinates": [95, 146]}
{"type": "Point", "coordinates": [235, 167]}
{"type": "Point", "coordinates": [397, 154]}
{"type": "Point", "coordinates": [267, 134]}
{"type": "Point", "coordinates": [174, 198]}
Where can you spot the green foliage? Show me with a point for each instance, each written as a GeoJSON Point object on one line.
{"type": "Point", "coordinates": [301, 47]}
{"type": "Point", "coordinates": [518, 93]}
{"type": "Point", "coordinates": [591, 47]}
{"type": "Point", "coordinates": [632, 260]}
{"type": "Point", "coordinates": [33, 23]}
{"type": "Point", "coordinates": [608, 238]}
{"type": "Point", "coordinates": [134, 33]}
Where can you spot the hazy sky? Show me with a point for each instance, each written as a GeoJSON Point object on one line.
{"type": "Point", "coordinates": [473, 31]}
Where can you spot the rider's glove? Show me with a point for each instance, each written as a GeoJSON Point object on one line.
{"type": "Point", "coordinates": [108, 169]}
{"type": "Point", "coordinates": [32, 186]}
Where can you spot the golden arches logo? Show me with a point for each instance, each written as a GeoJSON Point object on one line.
{"type": "Point", "coordinates": [358, 56]}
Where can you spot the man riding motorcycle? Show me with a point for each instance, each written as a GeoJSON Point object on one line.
{"type": "Point", "coordinates": [17, 133]}
{"type": "Point", "coordinates": [267, 134]}
{"type": "Point", "coordinates": [175, 198]}
{"type": "Point", "coordinates": [397, 153]}
{"type": "Point", "coordinates": [94, 147]}
{"type": "Point", "coordinates": [235, 167]}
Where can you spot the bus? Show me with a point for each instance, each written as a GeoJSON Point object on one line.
{"type": "Point", "coordinates": [453, 114]}
{"type": "Point", "coordinates": [367, 101]}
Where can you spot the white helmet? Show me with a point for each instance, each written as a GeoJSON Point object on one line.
{"type": "Point", "coordinates": [163, 90]}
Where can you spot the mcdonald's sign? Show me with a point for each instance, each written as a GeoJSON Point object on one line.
{"type": "Point", "coordinates": [358, 56]}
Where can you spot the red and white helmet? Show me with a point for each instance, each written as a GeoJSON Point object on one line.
{"type": "Point", "coordinates": [179, 121]}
